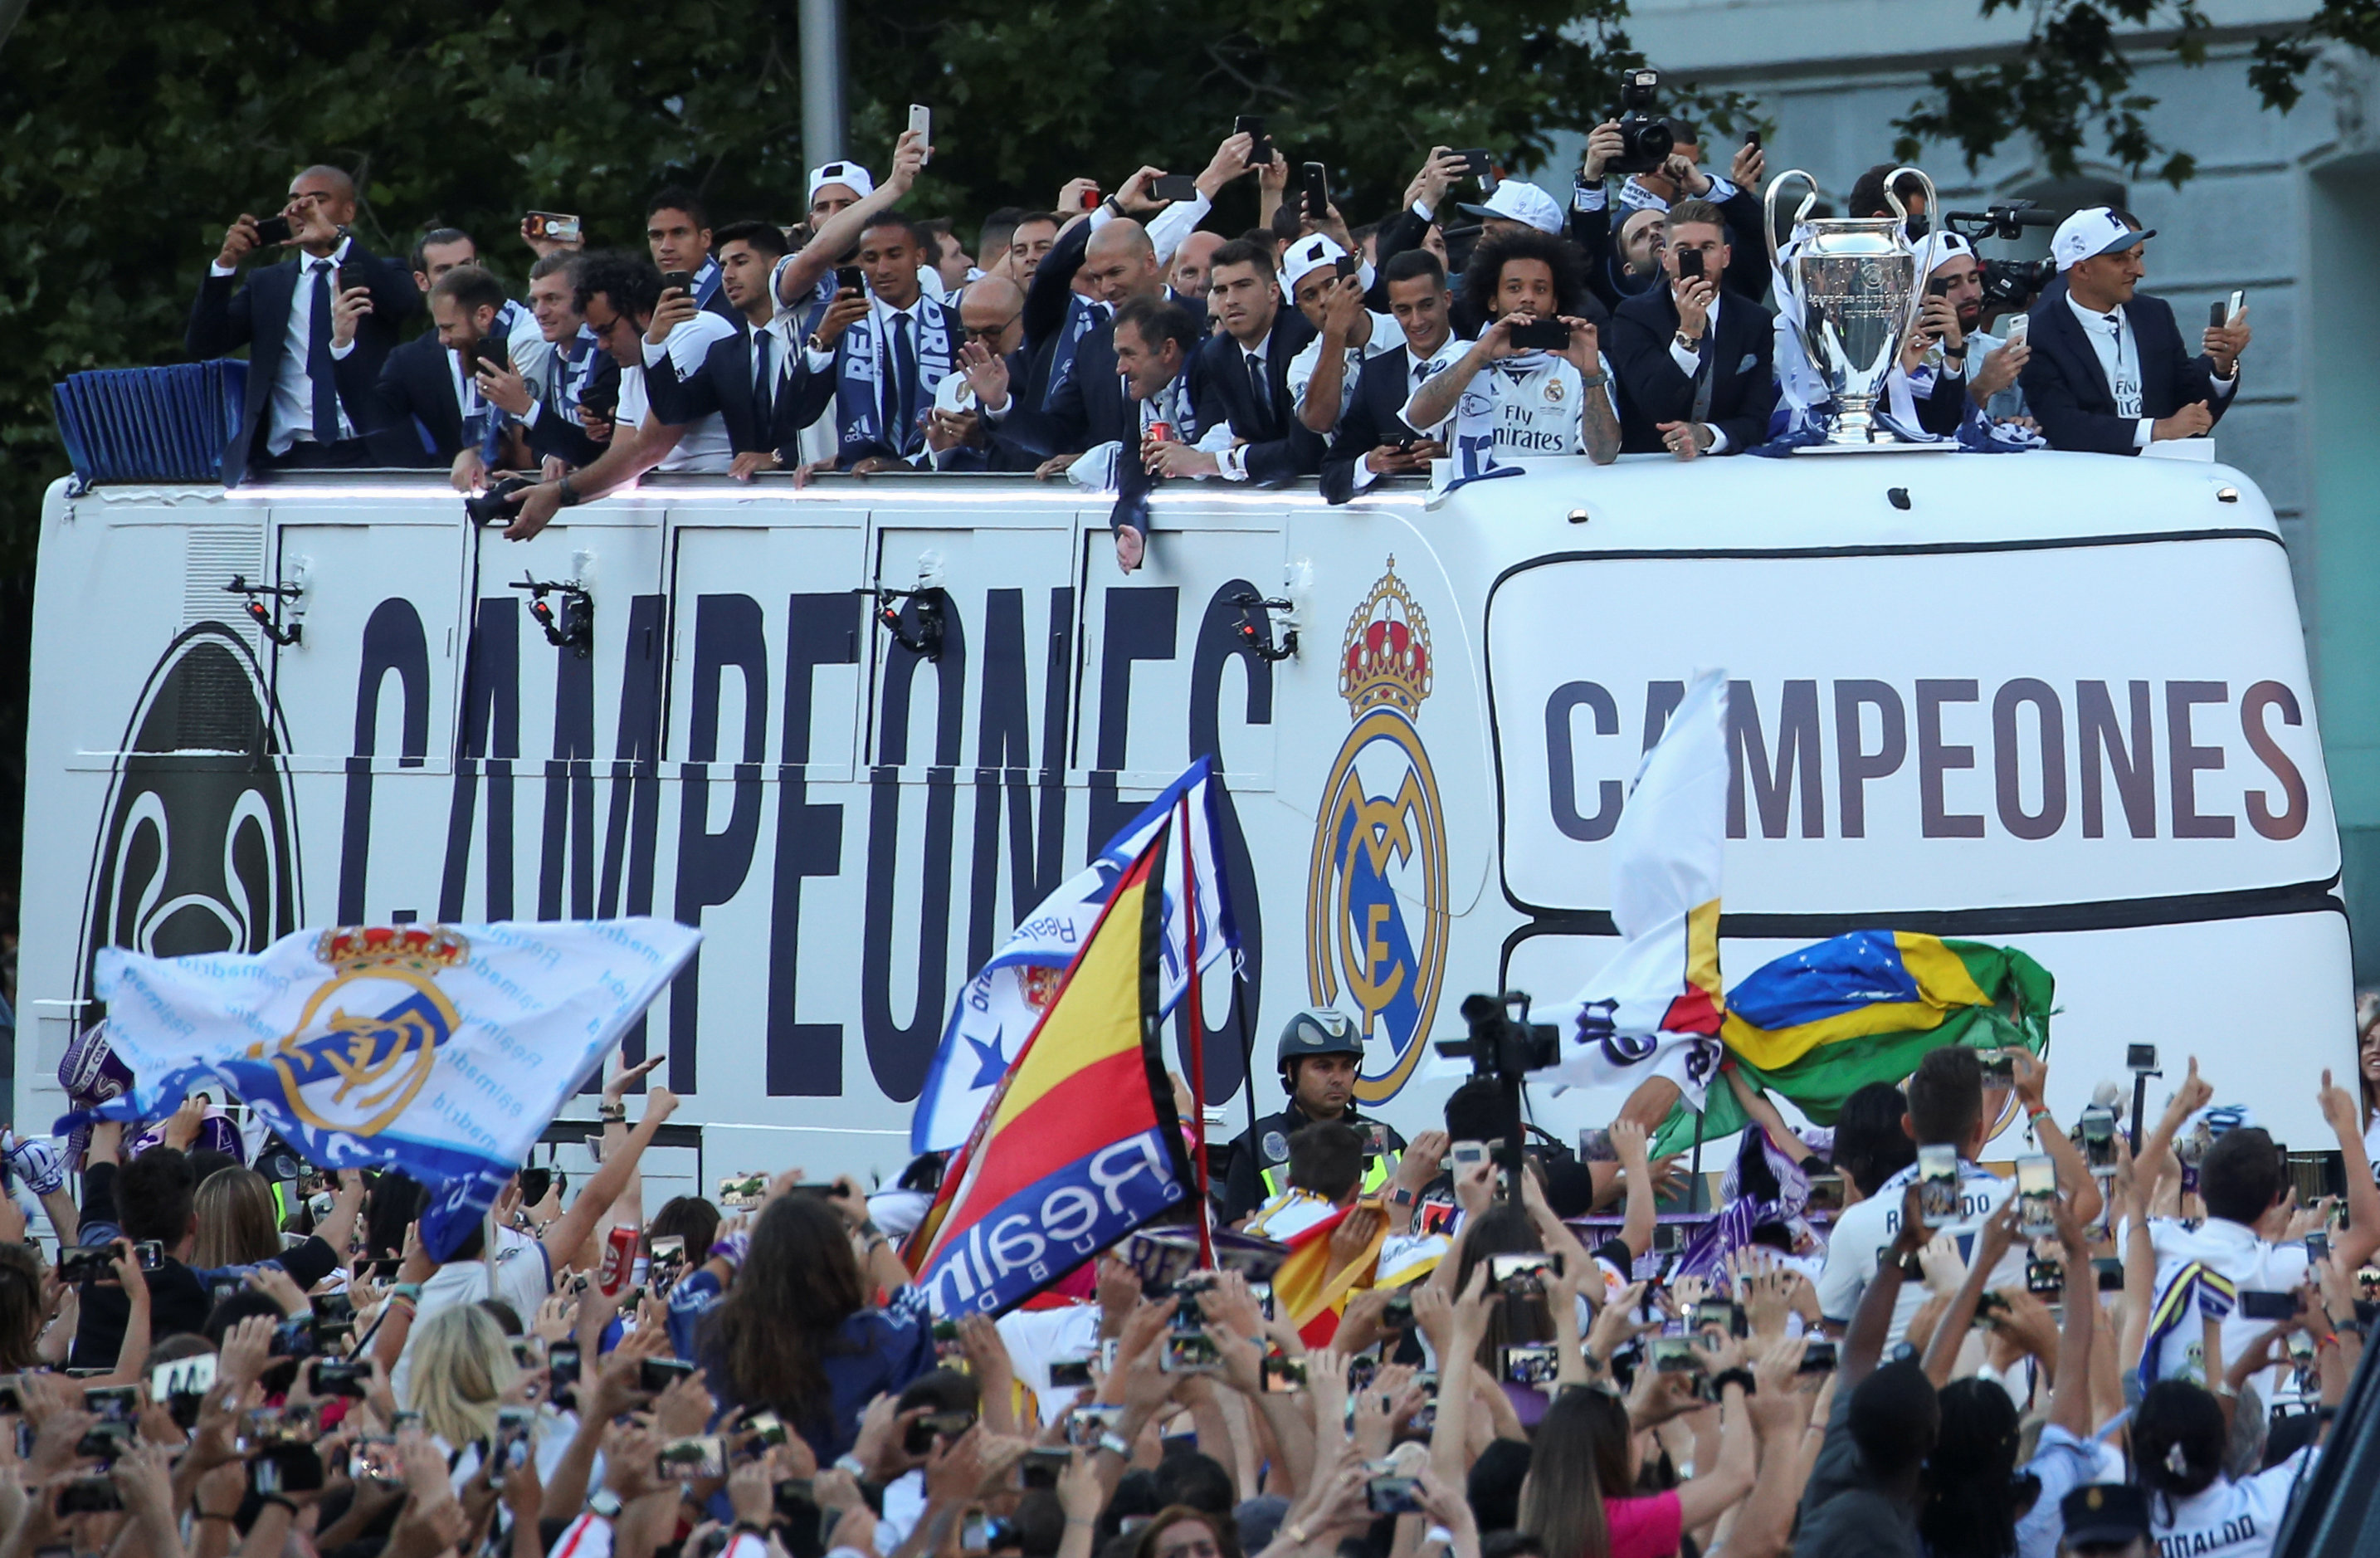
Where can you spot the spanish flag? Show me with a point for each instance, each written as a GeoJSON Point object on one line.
{"type": "Point", "coordinates": [1080, 1145]}
{"type": "Point", "coordinates": [1303, 1288]}
{"type": "Point", "coordinates": [1817, 1025]}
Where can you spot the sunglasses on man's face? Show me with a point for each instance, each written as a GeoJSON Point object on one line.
{"type": "Point", "coordinates": [989, 332]}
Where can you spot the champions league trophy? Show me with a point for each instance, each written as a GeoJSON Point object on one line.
{"type": "Point", "coordinates": [1855, 284]}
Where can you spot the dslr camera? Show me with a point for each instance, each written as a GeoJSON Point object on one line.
{"type": "Point", "coordinates": [1645, 140]}
{"type": "Point", "coordinates": [500, 503]}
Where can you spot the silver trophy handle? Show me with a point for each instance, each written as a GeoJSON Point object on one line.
{"type": "Point", "coordinates": [1933, 211]}
{"type": "Point", "coordinates": [1768, 212]}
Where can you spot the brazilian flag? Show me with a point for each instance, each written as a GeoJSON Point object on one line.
{"type": "Point", "coordinates": [1817, 1025]}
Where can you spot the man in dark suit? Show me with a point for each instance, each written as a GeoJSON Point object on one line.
{"type": "Point", "coordinates": [1373, 441]}
{"type": "Point", "coordinates": [562, 387]}
{"type": "Point", "coordinates": [2106, 372]}
{"type": "Point", "coordinates": [425, 406]}
{"type": "Point", "coordinates": [1695, 376]}
{"type": "Point", "coordinates": [992, 314]}
{"type": "Point", "coordinates": [1118, 262]}
{"type": "Point", "coordinates": [744, 377]}
{"type": "Point", "coordinates": [291, 416]}
{"type": "Point", "coordinates": [1239, 381]}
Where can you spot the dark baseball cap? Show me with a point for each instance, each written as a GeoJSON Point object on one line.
{"type": "Point", "coordinates": [2104, 1515]}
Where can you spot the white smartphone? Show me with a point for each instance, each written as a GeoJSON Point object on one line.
{"type": "Point", "coordinates": [921, 123]}
{"type": "Point", "coordinates": [2036, 1197]}
{"type": "Point", "coordinates": [2019, 328]}
{"type": "Point", "coordinates": [2238, 302]}
{"type": "Point", "coordinates": [1937, 1186]}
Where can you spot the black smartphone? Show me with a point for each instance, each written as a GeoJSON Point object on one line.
{"type": "Point", "coordinates": [534, 1184]}
{"type": "Point", "coordinates": [1478, 161]}
{"type": "Point", "coordinates": [1252, 125]}
{"type": "Point", "coordinates": [1539, 335]}
{"type": "Point", "coordinates": [273, 230]}
{"type": "Point", "coordinates": [2110, 1272]}
{"type": "Point", "coordinates": [2216, 314]}
{"type": "Point", "coordinates": [1315, 180]}
{"type": "Point", "coordinates": [336, 1376]}
{"type": "Point", "coordinates": [1348, 265]}
{"type": "Point", "coordinates": [1040, 1467]}
{"type": "Point", "coordinates": [1689, 264]}
{"type": "Point", "coordinates": [561, 1368]}
{"type": "Point", "coordinates": [849, 279]}
{"type": "Point", "coordinates": [87, 1264]}
{"type": "Point", "coordinates": [1752, 138]}
{"type": "Point", "coordinates": [2317, 1247]}
{"type": "Point", "coordinates": [657, 1375]}
{"type": "Point", "coordinates": [2260, 1304]}
{"type": "Point", "coordinates": [682, 280]}
{"type": "Point", "coordinates": [1818, 1357]}
{"type": "Point", "coordinates": [383, 1270]}
{"type": "Point", "coordinates": [1173, 187]}
{"type": "Point", "coordinates": [294, 1337]}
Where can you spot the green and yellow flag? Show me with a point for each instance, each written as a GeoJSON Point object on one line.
{"type": "Point", "coordinates": [1817, 1025]}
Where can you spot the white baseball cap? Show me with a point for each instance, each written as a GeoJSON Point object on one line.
{"type": "Point", "coordinates": [1935, 249]}
{"type": "Point", "coordinates": [1311, 253]}
{"type": "Point", "coordinates": [1517, 201]}
{"type": "Point", "coordinates": [851, 175]}
{"type": "Point", "coordinates": [2093, 230]}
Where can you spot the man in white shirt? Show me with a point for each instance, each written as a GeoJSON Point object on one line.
{"type": "Point", "coordinates": [2107, 373]}
{"type": "Point", "coordinates": [1324, 282]}
{"type": "Point", "coordinates": [1499, 401]}
{"type": "Point", "coordinates": [292, 415]}
{"type": "Point", "coordinates": [1947, 1107]}
{"type": "Point", "coordinates": [620, 297]}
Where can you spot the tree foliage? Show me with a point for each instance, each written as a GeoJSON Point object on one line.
{"type": "Point", "coordinates": [2074, 77]}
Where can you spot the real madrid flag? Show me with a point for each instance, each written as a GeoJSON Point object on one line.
{"type": "Point", "coordinates": [441, 1050]}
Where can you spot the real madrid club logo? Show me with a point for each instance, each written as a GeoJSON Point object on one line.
{"type": "Point", "coordinates": [356, 1071]}
{"type": "Point", "coordinates": [1375, 917]}
{"type": "Point", "coordinates": [1554, 389]}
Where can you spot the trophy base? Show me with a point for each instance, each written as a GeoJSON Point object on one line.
{"type": "Point", "coordinates": [1884, 447]}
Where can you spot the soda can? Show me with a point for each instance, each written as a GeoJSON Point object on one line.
{"type": "Point", "coordinates": [1161, 432]}
{"type": "Point", "coordinates": [619, 1259]}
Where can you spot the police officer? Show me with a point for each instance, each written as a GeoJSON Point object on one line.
{"type": "Point", "coordinates": [1319, 1055]}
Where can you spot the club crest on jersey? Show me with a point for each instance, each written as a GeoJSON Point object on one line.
{"type": "Point", "coordinates": [368, 1038]}
{"type": "Point", "coordinates": [1554, 391]}
{"type": "Point", "coordinates": [1377, 919]}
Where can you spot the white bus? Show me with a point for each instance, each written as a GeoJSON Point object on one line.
{"type": "Point", "coordinates": [2054, 701]}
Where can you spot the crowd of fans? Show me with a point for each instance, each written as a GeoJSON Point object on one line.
{"type": "Point", "coordinates": [2110, 1353]}
{"type": "Point", "coordinates": [1115, 340]}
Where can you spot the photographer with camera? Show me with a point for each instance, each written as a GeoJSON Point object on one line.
{"type": "Point", "coordinates": [292, 415]}
{"type": "Point", "coordinates": [1661, 157]}
{"type": "Point", "coordinates": [1694, 369]}
{"type": "Point", "coordinates": [2106, 372]}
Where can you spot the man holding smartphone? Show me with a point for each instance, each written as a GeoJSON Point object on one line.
{"type": "Point", "coordinates": [292, 415]}
{"type": "Point", "coordinates": [1327, 285]}
{"type": "Point", "coordinates": [1374, 440]}
{"type": "Point", "coordinates": [2107, 373]}
{"type": "Point", "coordinates": [1694, 371]}
{"type": "Point", "coordinates": [1535, 382]}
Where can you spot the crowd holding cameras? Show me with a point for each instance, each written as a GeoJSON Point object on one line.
{"type": "Point", "coordinates": [1116, 342]}
{"type": "Point", "coordinates": [1876, 1345]}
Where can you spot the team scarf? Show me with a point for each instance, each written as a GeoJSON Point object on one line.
{"type": "Point", "coordinates": [1473, 447]}
{"type": "Point", "coordinates": [1082, 316]}
{"type": "Point", "coordinates": [862, 363]}
{"type": "Point", "coordinates": [2197, 1290]}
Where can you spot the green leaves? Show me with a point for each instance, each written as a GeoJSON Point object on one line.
{"type": "Point", "coordinates": [2071, 81]}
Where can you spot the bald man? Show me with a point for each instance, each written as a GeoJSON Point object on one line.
{"type": "Point", "coordinates": [1117, 263]}
{"type": "Point", "coordinates": [1190, 263]}
{"type": "Point", "coordinates": [293, 416]}
{"type": "Point", "coordinates": [992, 315]}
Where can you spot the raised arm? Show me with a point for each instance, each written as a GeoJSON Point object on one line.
{"type": "Point", "coordinates": [799, 275]}
{"type": "Point", "coordinates": [1635, 1160]}
{"type": "Point", "coordinates": [569, 1231]}
{"type": "Point", "coordinates": [2074, 1176]}
{"type": "Point", "coordinates": [2355, 1242]}
{"type": "Point", "coordinates": [1950, 1331]}
{"type": "Point", "coordinates": [1871, 1321]}
{"type": "Point", "coordinates": [1756, 1105]}
{"type": "Point", "coordinates": [2070, 1396]}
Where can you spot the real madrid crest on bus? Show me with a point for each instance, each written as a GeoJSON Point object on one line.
{"type": "Point", "coordinates": [1376, 917]}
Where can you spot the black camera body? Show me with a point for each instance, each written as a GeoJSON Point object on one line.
{"type": "Point", "coordinates": [500, 503]}
{"type": "Point", "coordinates": [1645, 139]}
{"type": "Point", "coordinates": [2014, 284]}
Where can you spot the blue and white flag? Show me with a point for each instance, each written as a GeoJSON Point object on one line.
{"type": "Point", "coordinates": [996, 1011]}
{"type": "Point", "coordinates": [440, 1051]}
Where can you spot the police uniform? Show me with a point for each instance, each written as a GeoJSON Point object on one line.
{"type": "Point", "coordinates": [1260, 1159]}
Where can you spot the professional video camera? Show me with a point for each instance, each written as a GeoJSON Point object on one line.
{"type": "Point", "coordinates": [2009, 284]}
{"type": "Point", "coordinates": [500, 503]}
{"type": "Point", "coordinates": [1505, 1046]}
{"type": "Point", "coordinates": [1645, 140]}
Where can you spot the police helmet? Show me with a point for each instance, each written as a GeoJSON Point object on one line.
{"type": "Point", "coordinates": [1317, 1030]}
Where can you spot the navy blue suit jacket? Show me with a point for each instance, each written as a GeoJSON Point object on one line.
{"type": "Point", "coordinates": [723, 385]}
{"type": "Point", "coordinates": [1654, 389]}
{"type": "Point", "coordinates": [1381, 390]}
{"type": "Point", "coordinates": [406, 411]}
{"type": "Point", "coordinates": [1280, 446]}
{"type": "Point", "coordinates": [230, 313]}
{"type": "Point", "coordinates": [2066, 390]}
